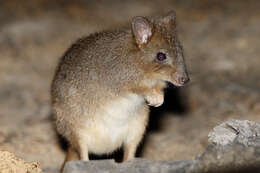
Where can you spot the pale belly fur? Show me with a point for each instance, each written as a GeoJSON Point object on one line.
{"type": "Point", "coordinates": [112, 125]}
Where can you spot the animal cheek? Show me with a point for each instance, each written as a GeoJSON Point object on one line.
{"type": "Point", "coordinates": [166, 73]}
{"type": "Point", "coordinates": [169, 70]}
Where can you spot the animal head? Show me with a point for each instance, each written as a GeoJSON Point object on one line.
{"type": "Point", "coordinates": [160, 50]}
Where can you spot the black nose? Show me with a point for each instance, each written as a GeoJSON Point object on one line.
{"type": "Point", "coordinates": [184, 80]}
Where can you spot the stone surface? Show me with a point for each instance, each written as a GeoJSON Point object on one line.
{"type": "Point", "coordinates": [239, 153]}
{"type": "Point", "coordinates": [133, 166]}
{"type": "Point", "coordinates": [245, 132]}
{"type": "Point", "coordinates": [229, 158]}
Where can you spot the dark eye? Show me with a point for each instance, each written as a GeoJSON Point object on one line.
{"type": "Point", "coordinates": [161, 56]}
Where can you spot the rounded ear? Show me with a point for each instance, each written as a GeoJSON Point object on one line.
{"type": "Point", "coordinates": [142, 30]}
{"type": "Point", "coordinates": [170, 18]}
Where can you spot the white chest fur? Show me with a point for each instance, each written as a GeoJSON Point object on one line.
{"type": "Point", "coordinates": [111, 125]}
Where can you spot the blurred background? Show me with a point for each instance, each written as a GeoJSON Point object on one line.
{"type": "Point", "coordinates": [221, 44]}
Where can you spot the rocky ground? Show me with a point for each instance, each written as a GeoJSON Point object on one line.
{"type": "Point", "coordinates": [221, 43]}
{"type": "Point", "coordinates": [223, 155]}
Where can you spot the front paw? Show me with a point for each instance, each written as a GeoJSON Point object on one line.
{"type": "Point", "coordinates": [154, 99]}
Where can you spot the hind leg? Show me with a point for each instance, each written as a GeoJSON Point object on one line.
{"type": "Point", "coordinates": [130, 150]}
{"type": "Point", "coordinates": [83, 150]}
{"type": "Point", "coordinates": [72, 154]}
{"type": "Point", "coordinates": [135, 135]}
{"type": "Point", "coordinates": [81, 153]}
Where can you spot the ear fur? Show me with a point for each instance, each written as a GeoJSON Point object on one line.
{"type": "Point", "coordinates": [170, 18]}
{"type": "Point", "coordinates": [142, 30]}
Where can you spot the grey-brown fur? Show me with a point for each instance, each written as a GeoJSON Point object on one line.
{"type": "Point", "coordinates": [109, 71]}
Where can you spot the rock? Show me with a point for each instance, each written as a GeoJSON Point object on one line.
{"type": "Point", "coordinates": [231, 158]}
{"type": "Point", "coordinates": [133, 166]}
{"type": "Point", "coordinates": [234, 147]}
{"type": "Point", "coordinates": [11, 164]}
{"type": "Point", "coordinates": [246, 132]}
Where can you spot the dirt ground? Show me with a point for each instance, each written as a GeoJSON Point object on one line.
{"type": "Point", "coordinates": [221, 43]}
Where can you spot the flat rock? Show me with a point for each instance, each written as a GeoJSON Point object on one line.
{"type": "Point", "coordinates": [132, 166]}
{"type": "Point", "coordinates": [234, 147]}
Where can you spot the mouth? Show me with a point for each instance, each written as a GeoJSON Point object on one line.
{"type": "Point", "coordinates": [177, 83]}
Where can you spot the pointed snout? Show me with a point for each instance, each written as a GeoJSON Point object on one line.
{"type": "Point", "coordinates": [182, 80]}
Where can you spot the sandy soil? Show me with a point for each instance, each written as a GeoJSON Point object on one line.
{"type": "Point", "coordinates": [11, 164]}
{"type": "Point", "coordinates": [221, 43]}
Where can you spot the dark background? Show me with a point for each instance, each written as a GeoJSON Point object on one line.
{"type": "Point", "coordinates": [221, 43]}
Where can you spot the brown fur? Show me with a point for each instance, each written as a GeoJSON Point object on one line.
{"type": "Point", "coordinates": [103, 81]}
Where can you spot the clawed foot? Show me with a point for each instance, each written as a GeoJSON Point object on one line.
{"type": "Point", "coordinates": [154, 99]}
